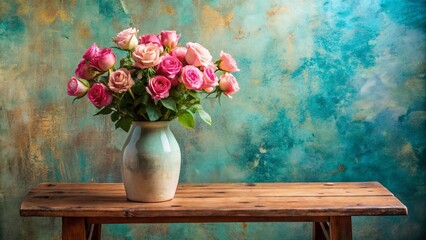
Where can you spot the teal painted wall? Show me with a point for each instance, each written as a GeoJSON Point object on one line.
{"type": "Point", "coordinates": [330, 91]}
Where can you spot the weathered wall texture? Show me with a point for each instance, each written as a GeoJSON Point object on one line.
{"type": "Point", "coordinates": [331, 91]}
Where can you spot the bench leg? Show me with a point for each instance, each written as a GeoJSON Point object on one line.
{"type": "Point", "coordinates": [73, 228]}
{"type": "Point", "coordinates": [340, 228]}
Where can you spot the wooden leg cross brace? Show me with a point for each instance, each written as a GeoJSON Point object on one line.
{"type": "Point", "coordinates": [340, 228]}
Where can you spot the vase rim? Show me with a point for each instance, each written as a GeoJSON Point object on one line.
{"type": "Point", "coordinates": [151, 124]}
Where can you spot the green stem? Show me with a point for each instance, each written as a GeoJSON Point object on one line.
{"type": "Point", "coordinates": [131, 94]}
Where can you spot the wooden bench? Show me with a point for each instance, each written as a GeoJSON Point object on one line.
{"type": "Point", "coordinates": [330, 206]}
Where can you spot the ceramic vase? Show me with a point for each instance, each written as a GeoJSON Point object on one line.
{"type": "Point", "coordinates": [151, 162]}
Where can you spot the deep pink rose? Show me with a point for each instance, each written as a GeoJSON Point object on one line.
{"type": "Point", "coordinates": [180, 53]}
{"type": "Point", "coordinates": [158, 87]}
{"type": "Point", "coordinates": [76, 88]}
{"type": "Point", "coordinates": [99, 95]}
{"type": "Point", "coordinates": [227, 62]}
{"type": "Point", "coordinates": [84, 70]}
{"type": "Point", "coordinates": [191, 77]}
{"type": "Point", "coordinates": [198, 55]}
{"type": "Point", "coordinates": [91, 52]}
{"type": "Point", "coordinates": [151, 38]}
{"type": "Point", "coordinates": [127, 39]}
{"type": "Point", "coordinates": [228, 84]}
{"type": "Point", "coordinates": [120, 81]}
{"type": "Point", "coordinates": [169, 38]}
{"type": "Point", "coordinates": [209, 79]}
{"type": "Point", "coordinates": [103, 60]}
{"type": "Point", "coordinates": [147, 55]}
{"type": "Point", "coordinates": [169, 66]}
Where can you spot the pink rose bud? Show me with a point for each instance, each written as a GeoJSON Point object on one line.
{"type": "Point", "coordinates": [120, 81]}
{"type": "Point", "coordinates": [127, 39]}
{"type": "Point", "coordinates": [151, 38]}
{"type": "Point", "coordinates": [99, 95]}
{"type": "Point", "coordinates": [158, 87]}
{"type": "Point", "coordinates": [76, 88]}
{"type": "Point", "coordinates": [169, 66]}
{"type": "Point", "coordinates": [180, 53]}
{"type": "Point", "coordinates": [198, 55]}
{"type": "Point", "coordinates": [147, 55]}
{"type": "Point", "coordinates": [228, 84]}
{"type": "Point", "coordinates": [169, 38]}
{"type": "Point", "coordinates": [84, 71]}
{"type": "Point", "coordinates": [91, 52]}
{"type": "Point", "coordinates": [227, 62]}
{"type": "Point", "coordinates": [191, 77]}
{"type": "Point", "coordinates": [103, 60]}
{"type": "Point", "coordinates": [209, 79]}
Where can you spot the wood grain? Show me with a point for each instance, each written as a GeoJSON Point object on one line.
{"type": "Point", "coordinates": [216, 200]}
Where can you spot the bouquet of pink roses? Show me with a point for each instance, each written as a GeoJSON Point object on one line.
{"type": "Point", "coordinates": [157, 80]}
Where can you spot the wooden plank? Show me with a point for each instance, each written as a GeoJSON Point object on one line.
{"type": "Point", "coordinates": [205, 219]}
{"type": "Point", "coordinates": [340, 228]}
{"type": "Point", "coordinates": [73, 228]}
{"type": "Point", "coordinates": [232, 200]}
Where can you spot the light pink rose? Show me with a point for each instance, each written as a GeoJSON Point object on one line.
{"type": "Point", "coordinates": [127, 39]}
{"type": "Point", "coordinates": [169, 38]}
{"type": "Point", "coordinates": [191, 77]}
{"type": "Point", "coordinates": [84, 70]}
{"type": "Point", "coordinates": [228, 84]}
{"type": "Point", "coordinates": [209, 79]}
{"type": "Point", "coordinates": [151, 38]}
{"type": "Point", "coordinates": [198, 55]}
{"type": "Point", "coordinates": [76, 88]}
{"type": "Point", "coordinates": [158, 87]}
{"type": "Point", "coordinates": [180, 53]}
{"type": "Point", "coordinates": [227, 62]}
{"type": "Point", "coordinates": [120, 81]}
{"type": "Point", "coordinates": [169, 66]}
{"type": "Point", "coordinates": [147, 55]}
{"type": "Point", "coordinates": [103, 60]}
{"type": "Point", "coordinates": [99, 95]}
{"type": "Point", "coordinates": [91, 52]}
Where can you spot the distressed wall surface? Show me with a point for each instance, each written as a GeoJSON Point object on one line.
{"type": "Point", "coordinates": [331, 91]}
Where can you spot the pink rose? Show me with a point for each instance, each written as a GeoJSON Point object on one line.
{"type": "Point", "coordinates": [191, 77]}
{"type": "Point", "coordinates": [120, 81]}
{"type": "Point", "coordinates": [197, 55]}
{"type": "Point", "coordinates": [103, 60]}
{"type": "Point", "coordinates": [158, 87]}
{"type": "Point", "coordinates": [169, 38]}
{"type": "Point", "coordinates": [91, 52]}
{"type": "Point", "coordinates": [209, 79]}
{"type": "Point", "coordinates": [147, 55]}
{"type": "Point", "coordinates": [227, 62]}
{"type": "Point", "coordinates": [99, 95]}
{"type": "Point", "coordinates": [180, 53]}
{"type": "Point", "coordinates": [151, 38]}
{"type": "Point", "coordinates": [127, 39]}
{"type": "Point", "coordinates": [76, 88]}
{"type": "Point", "coordinates": [84, 71]}
{"type": "Point", "coordinates": [169, 66]}
{"type": "Point", "coordinates": [228, 84]}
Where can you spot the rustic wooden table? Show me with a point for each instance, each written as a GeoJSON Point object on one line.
{"type": "Point", "coordinates": [330, 206]}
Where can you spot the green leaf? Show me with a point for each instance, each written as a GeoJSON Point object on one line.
{"type": "Point", "coordinates": [169, 103]}
{"type": "Point", "coordinates": [115, 116]}
{"type": "Point", "coordinates": [153, 113]}
{"type": "Point", "coordinates": [124, 123]}
{"type": "Point", "coordinates": [194, 94]}
{"type": "Point", "coordinates": [196, 107]}
{"type": "Point", "coordinates": [187, 119]}
{"type": "Point", "coordinates": [104, 111]}
{"type": "Point", "coordinates": [205, 116]}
